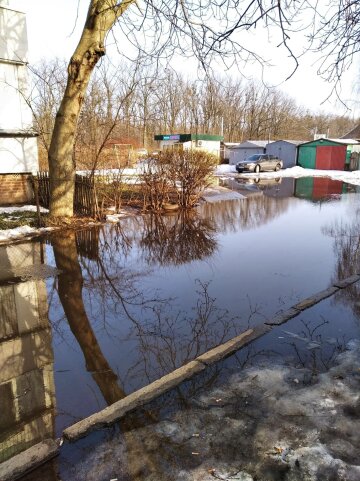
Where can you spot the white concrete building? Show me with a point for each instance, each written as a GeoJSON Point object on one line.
{"type": "Point", "coordinates": [18, 145]}
{"type": "Point", "coordinates": [208, 143]}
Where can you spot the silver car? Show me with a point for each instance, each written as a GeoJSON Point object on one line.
{"type": "Point", "coordinates": [259, 163]}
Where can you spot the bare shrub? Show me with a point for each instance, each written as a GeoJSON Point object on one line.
{"type": "Point", "coordinates": [156, 185]}
{"type": "Point", "coordinates": [190, 173]}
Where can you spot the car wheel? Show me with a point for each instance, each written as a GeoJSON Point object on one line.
{"type": "Point", "coordinates": [257, 168]}
{"type": "Point", "coordinates": [277, 167]}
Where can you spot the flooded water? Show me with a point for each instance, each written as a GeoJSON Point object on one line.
{"type": "Point", "coordinates": [87, 317]}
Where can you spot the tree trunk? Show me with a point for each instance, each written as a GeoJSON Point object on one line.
{"type": "Point", "coordinates": [101, 16]}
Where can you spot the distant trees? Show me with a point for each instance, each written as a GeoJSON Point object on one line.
{"type": "Point", "coordinates": [131, 103]}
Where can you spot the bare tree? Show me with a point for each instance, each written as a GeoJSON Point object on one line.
{"type": "Point", "coordinates": [337, 36]}
{"type": "Point", "coordinates": [102, 15]}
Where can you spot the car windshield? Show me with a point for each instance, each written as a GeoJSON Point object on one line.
{"type": "Point", "coordinates": [254, 157]}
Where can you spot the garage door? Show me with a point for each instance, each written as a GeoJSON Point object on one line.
{"type": "Point", "coordinates": [330, 157]}
{"type": "Point", "coordinates": [307, 156]}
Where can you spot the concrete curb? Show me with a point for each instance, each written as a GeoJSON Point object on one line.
{"type": "Point", "coordinates": [229, 347]}
{"type": "Point", "coordinates": [347, 282]}
{"type": "Point", "coordinates": [28, 460]}
{"type": "Point", "coordinates": [116, 411]}
{"type": "Point", "coordinates": [282, 317]}
{"type": "Point", "coordinates": [150, 392]}
{"type": "Point", "coordinates": [316, 298]}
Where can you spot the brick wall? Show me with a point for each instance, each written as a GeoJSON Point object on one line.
{"type": "Point", "coordinates": [15, 189]}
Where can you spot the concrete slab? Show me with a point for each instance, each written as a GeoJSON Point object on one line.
{"type": "Point", "coordinates": [347, 282]}
{"type": "Point", "coordinates": [319, 296]}
{"type": "Point", "coordinates": [233, 345]}
{"type": "Point", "coordinates": [116, 411]}
{"type": "Point", "coordinates": [282, 317]}
{"type": "Point", "coordinates": [17, 466]}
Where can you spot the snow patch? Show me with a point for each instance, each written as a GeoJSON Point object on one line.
{"type": "Point", "coordinates": [19, 232]}
{"type": "Point", "coordinates": [225, 169]}
{"type": "Point", "coordinates": [114, 218]}
{"type": "Point", "coordinates": [22, 208]}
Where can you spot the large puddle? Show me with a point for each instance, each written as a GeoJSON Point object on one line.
{"type": "Point", "coordinates": [88, 317]}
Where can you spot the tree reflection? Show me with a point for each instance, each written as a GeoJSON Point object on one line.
{"type": "Point", "coordinates": [70, 286]}
{"type": "Point", "coordinates": [169, 337]}
{"type": "Point", "coordinates": [141, 461]}
{"type": "Point", "coordinates": [347, 252]}
{"type": "Point", "coordinates": [244, 214]}
{"type": "Point", "coordinates": [177, 239]}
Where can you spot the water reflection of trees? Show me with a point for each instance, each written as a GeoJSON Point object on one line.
{"type": "Point", "coordinates": [177, 239]}
{"type": "Point", "coordinates": [70, 286]}
{"type": "Point", "coordinates": [245, 213]}
{"type": "Point", "coordinates": [168, 337]}
{"type": "Point", "coordinates": [346, 248]}
{"type": "Point", "coordinates": [164, 344]}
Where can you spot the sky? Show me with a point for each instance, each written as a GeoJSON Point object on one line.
{"type": "Point", "coordinates": [54, 29]}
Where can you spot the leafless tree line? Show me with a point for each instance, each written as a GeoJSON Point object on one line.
{"type": "Point", "coordinates": [131, 103]}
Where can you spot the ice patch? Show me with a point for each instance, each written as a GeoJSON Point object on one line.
{"type": "Point", "coordinates": [258, 424]}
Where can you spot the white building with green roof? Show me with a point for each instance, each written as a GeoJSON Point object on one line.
{"type": "Point", "coordinates": [209, 143]}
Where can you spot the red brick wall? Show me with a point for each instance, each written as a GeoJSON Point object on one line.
{"type": "Point", "coordinates": [15, 189]}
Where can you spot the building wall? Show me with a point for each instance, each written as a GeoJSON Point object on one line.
{"type": "Point", "coordinates": [18, 153]}
{"type": "Point", "coordinates": [307, 156]}
{"type": "Point", "coordinates": [15, 189]}
{"type": "Point", "coordinates": [227, 149]}
{"type": "Point", "coordinates": [330, 157]}
{"type": "Point", "coordinates": [285, 151]}
{"type": "Point", "coordinates": [210, 146]}
{"type": "Point", "coordinates": [13, 35]}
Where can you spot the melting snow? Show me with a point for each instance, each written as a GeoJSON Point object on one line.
{"type": "Point", "coordinates": [19, 232]}
{"type": "Point", "coordinates": [257, 425]}
{"type": "Point", "coordinates": [22, 208]}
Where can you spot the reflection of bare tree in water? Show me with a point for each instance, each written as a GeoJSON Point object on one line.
{"type": "Point", "coordinates": [347, 251]}
{"type": "Point", "coordinates": [169, 338]}
{"type": "Point", "coordinates": [70, 285]}
{"type": "Point", "coordinates": [245, 213]}
{"type": "Point", "coordinates": [209, 326]}
{"type": "Point", "coordinates": [314, 350]}
{"type": "Point", "coordinates": [177, 239]}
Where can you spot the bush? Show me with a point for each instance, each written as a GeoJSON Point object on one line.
{"type": "Point", "coordinates": [176, 176]}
